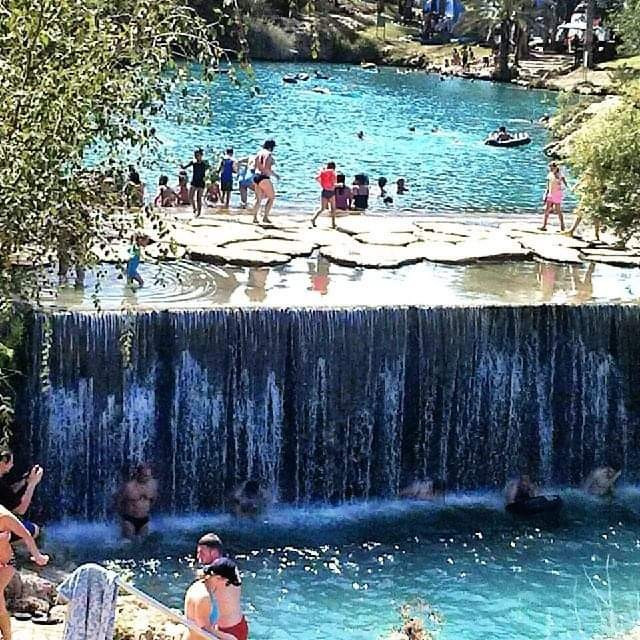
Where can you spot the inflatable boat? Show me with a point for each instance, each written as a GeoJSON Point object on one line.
{"type": "Point", "coordinates": [535, 506]}
{"type": "Point", "coordinates": [519, 140]}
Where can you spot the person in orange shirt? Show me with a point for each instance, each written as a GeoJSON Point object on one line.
{"type": "Point", "coordinates": [327, 180]}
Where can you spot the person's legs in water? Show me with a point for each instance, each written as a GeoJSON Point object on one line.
{"type": "Point", "coordinates": [258, 204]}
{"type": "Point", "coordinates": [332, 205]}
{"type": "Point", "coordinates": [323, 206]}
{"type": "Point", "coordinates": [6, 573]}
{"type": "Point", "coordinates": [558, 210]}
{"type": "Point", "coordinates": [270, 193]}
{"type": "Point", "coordinates": [192, 200]}
{"type": "Point", "coordinates": [199, 192]}
{"type": "Point", "coordinates": [548, 205]}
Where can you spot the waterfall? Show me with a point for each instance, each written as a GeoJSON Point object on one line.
{"type": "Point", "coordinates": [327, 405]}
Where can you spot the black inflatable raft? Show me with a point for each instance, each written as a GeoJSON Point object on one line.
{"type": "Point", "coordinates": [536, 505]}
{"type": "Point", "coordinates": [519, 140]}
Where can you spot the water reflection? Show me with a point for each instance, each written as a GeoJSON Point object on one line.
{"type": "Point", "coordinates": [317, 282]}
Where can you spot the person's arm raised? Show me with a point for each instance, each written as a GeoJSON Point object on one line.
{"type": "Point", "coordinates": [33, 480]}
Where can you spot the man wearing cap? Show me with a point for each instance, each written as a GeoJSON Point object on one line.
{"type": "Point", "coordinates": [222, 580]}
{"type": "Point", "coordinates": [199, 605]}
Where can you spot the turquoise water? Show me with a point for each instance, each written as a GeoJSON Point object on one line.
{"type": "Point", "coordinates": [343, 572]}
{"type": "Point", "coordinates": [448, 170]}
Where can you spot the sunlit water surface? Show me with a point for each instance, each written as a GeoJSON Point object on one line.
{"type": "Point", "coordinates": [446, 164]}
{"type": "Point", "coordinates": [343, 572]}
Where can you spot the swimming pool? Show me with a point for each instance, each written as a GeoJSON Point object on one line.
{"type": "Point", "coordinates": [446, 164]}
{"type": "Point", "coordinates": [343, 572]}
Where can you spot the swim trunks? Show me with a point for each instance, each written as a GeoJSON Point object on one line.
{"type": "Point", "coordinates": [132, 266]}
{"type": "Point", "coordinates": [226, 185]}
{"type": "Point", "coordinates": [31, 527]}
{"type": "Point", "coordinates": [138, 523]}
{"type": "Point", "coordinates": [327, 194]}
{"type": "Point", "coordinates": [240, 630]}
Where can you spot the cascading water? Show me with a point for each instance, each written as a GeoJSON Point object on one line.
{"type": "Point", "coordinates": [328, 404]}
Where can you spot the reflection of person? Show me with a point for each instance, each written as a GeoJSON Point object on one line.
{"type": "Point", "coordinates": [200, 606]}
{"type": "Point", "coordinates": [601, 481]}
{"type": "Point", "coordinates": [256, 284]}
{"type": "Point", "coordinates": [554, 195]}
{"type": "Point", "coordinates": [320, 276]}
{"type": "Point", "coordinates": [11, 526]}
{"type": "Point", "coordinates": [520, 490]}
{"type": "Point", "coordinates": [17, 497]}
{"type": "Point", "coordinates": [249, 499]}
{"type": "Point", "coordinates": [583, 288]}
{"type": "Point", "coordinates": [547, 279]}
{"type": "Point", "coordinates": [134, 501]}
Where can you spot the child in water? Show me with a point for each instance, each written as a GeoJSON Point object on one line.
{"type": "Point", "coordinates": [183, 188]}
{"type": "Point", "coordinates": [135, 255]}
{"type": "Point", "coordinates": [327, 179]}
{"type": "Point", "coordinates": [166, 197]}
{"type": "Point", "coordinates": [212, 195]}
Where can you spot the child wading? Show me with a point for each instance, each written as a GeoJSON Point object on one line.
{"type": "Point", "coordinates": [226, 170]}
{"type": "Point", "coordinates": [327, 179]}
{"type": "Point", "coordinates": [135, 255]}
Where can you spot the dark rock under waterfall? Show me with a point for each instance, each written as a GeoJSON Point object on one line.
{"type": "Point", "coordinates": [328, 405]}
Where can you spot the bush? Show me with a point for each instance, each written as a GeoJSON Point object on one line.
{"type": "Point", "coordinates": [606, 155]}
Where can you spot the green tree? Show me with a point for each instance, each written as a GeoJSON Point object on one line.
{"type": "Point", "coordinates": [75, 74]}
{"type": "Point", "coordinates": [627, 23]}
{"type": "Point", "coordinates": [509, 18]}
{"type": "Point", "coordinates": [606, 157]}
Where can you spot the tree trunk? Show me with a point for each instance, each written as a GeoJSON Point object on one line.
{"type": "Point", "coordinates": [588, 35]}
{"type": "Point", "coordinates": [522, 44]}
{"type": "Point", "coordinates": [504, 73]}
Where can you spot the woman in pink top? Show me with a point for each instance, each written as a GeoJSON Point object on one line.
{"type": "Point", "coordinates": [327, 180]}
{"type": "Point", "coordinates": [554, 195]}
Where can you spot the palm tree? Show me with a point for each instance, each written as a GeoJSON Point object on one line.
{"type": "Point", "coordinates": [511, 18]}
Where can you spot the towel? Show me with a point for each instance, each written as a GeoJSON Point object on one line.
{"type": "Point", "coordinates": [92, 592]}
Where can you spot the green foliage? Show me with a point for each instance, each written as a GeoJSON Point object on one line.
{"type": "Point", "coordinates": [627, 24]}
{"type": "Point", "coordinates": [606, 155]}
{"type": "Point", "coordinates": [73, 72]}
{"type": "Point", "coordinates": [570, 114]}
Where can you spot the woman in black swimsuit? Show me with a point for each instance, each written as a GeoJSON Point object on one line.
{"type": "Point", "coordinates": [196, 191]}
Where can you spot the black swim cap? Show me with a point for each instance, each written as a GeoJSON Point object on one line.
{"type": "Point", "coordinates": [225, 568]}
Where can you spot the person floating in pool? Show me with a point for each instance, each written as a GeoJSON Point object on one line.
{"type": "Point", "coordinates": [520, 490]}
{"type": "Point", "coordinates": [401, 186]}
{"type": "Point", "coordinates": [199, 168]}
{"type": "Point", "coordinates": [134, 501]}
{"type": "Point", "coordinates": [263, 181]}
{"type": "Point", "coordinates": [327, 179]}
{"type": "Point", "coordinates": [601, 481]}
{"type": "Point", "coordinates": [554, 195]}
{"type": "Point", "coordinates": [249, 499]}
{"type": "Point", "coordinates": [135, 256]}
{"type": "Point", "coordinates": [223, 585]}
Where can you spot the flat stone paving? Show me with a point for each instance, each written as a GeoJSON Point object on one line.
{"type": "Point", "coordinates": [375, 241]}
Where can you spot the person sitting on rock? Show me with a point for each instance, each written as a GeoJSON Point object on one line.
{"type": "Point", "coordinates": [17, 497]}
{"type": "Point", "coordinates": [520, 490]}
{"type": "Point", "coordinates": [424, 490]}
{"type": "Point", "coordinates": [134, 501]}
{"type": "Point", "coordinates": [601, 481]}
{"type": "Point", "coordinates": [249, 499]}
{"type": "Point", "coordinates": [10, 527]}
